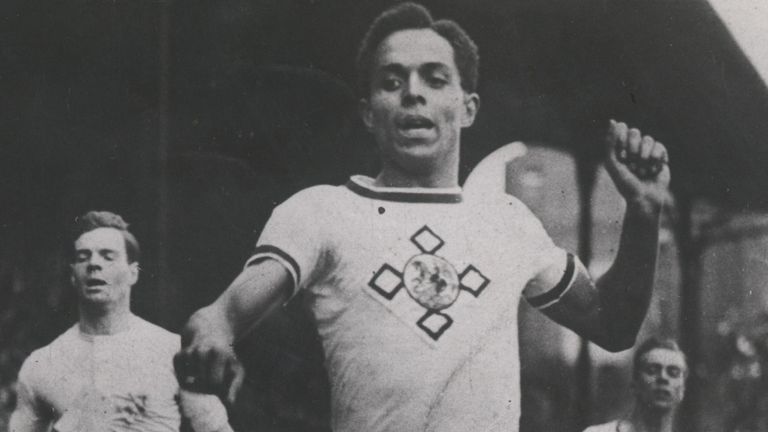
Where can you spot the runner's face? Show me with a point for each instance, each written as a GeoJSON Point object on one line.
{"type": "Point", "coordinates": [417, 106]}
{"type": "Point", "coordinates": [660, 382]}
{"type": "Point", "coordinates": [101, 272]}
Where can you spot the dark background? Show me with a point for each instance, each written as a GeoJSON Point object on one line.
{"type": "Point", "coordinates": [193, 119]}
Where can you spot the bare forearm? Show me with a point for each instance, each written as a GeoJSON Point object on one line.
{"type": "Point", "coordinates": [611, 311]}
{"type": "Point", "coordinates": [625, 290]}
{"type": "Point", "coordinates": [256, 292]}
{"type": "Point", "coordinates": [207, 362]}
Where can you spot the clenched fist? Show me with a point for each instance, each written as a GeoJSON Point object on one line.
{"type": "Point", "coordinates": [207, 362]}
{"type": "Point", "coordinates": [638, 165]}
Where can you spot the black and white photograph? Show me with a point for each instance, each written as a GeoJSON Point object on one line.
{"type": "Point", "coordinates": [384, 216]}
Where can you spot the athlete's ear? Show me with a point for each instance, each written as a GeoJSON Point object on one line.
{"type": "Point", "coordinates": [471, 106]}
{"type": "Point", "coordinates": [134, 271]}
{"type": "Point", "coordinates": [365, 113]}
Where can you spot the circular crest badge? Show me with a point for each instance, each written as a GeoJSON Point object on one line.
{"type": "Point", "coordinates": [431, 281]}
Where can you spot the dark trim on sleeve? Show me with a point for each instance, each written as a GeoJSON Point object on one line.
{"type": "Point", "coordinates": [555, 293]}
{"type": "Point", "coordinates": [274, 250]}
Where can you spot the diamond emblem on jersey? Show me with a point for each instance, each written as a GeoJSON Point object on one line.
{"type": "Point", "coordinates": [431, 281]}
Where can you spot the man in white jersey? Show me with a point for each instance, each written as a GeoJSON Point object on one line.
{"type": "Point", "coordinates": [112, 371]}
{"type": "Point", "coordinates": [659, 372]}
{"type": "Point", "coordinates": [414, 286]}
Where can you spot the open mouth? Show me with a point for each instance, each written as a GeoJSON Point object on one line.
{"type": "Point", "coordinates": [95, 282]}
{"type": "Point", "coordinates": [413, 122]}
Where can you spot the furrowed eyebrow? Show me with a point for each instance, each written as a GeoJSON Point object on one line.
{"type": "Point", "coordinates": [400, 69]}
{"type": "Point", "coordinates": [100, 252]}
{"type": "Point", "coordinates": [650, 365]}
{"type": "Point", "coordinates": [395, 68]}
{"type": "Point", "coordinates": [435, 67]}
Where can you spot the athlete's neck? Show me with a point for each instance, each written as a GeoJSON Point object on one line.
{"type": "Point", "coordinates": [100, 321]}
{"type": "Point", "coordinates": [442, 176]}
{"type": "Point", "coordinates": [644, 420]}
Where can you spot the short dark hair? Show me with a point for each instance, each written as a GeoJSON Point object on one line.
{"type": "Point", "coordinates": [105, 219]}
{"type": "Point", "coordinates": [408, 16]}
{"type": "Point", "coordinates": [651, 344]}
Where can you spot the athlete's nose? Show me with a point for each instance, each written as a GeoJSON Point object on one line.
{"type": "Point", "coordinates": [95, 262]}
{"type": "Point", "coordinates": [413, 94]}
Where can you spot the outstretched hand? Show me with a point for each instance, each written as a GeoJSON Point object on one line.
{"type": "Point", "coordinates": [638, 165]}
{"type": "Point", "coordinates": [207, 362]}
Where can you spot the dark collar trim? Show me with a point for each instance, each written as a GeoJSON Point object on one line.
{"type": "Point", "coordinates": [403, 196]}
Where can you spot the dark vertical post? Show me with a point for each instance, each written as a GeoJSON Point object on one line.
{"type": "Point", "coordinates": [165, 289]}
{"type": "Point", "coordinates": [690, 261]}
{"type": "Point", "coordinates": [586, 170]}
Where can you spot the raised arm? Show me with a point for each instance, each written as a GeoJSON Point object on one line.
{"type": "Point", "coordinates": [610, 312]}
{"type": "Point", "coordinates": [207, 362]}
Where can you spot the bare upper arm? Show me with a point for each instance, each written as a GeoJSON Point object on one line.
{"type": "Point", "coordinates": [260, 288]}
{"type": "Point", "coordinates": [263, 277]}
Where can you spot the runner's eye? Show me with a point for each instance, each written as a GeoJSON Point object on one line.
{"type": "Point", "coordinates": [652, 369]}
{"type": "Point", "coordinates": [437, 81]}
{"type": "Point", "coordinates": [674, 372]}
{"type": "Point", "coordinates": [391, 83]}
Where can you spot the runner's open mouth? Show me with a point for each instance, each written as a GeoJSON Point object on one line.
{"type": "Point", "coordinates": [415, 122]}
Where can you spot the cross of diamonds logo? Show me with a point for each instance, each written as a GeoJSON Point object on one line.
{"type": "Point", "coordinates": [431, 281]}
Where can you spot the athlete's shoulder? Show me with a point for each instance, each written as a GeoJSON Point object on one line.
{"type": "Point", "coordinates": [518, 208]}
{"type": "Point", "coordinates": [37, 359]}
{"type": "Point", "coordinates": [64, 341]}
{"type": "Point", "coordinates": [40, 360]}
{"type": "Point", "coordinates": [318, 195]}
{"type": "Point", "coordinates": [513, 203]}
{"type": "Point", "coordinates": [315, 192]}
{"type": "Point", "coordinates": [321, 202]}
{"type": "Point", "coordinates": [152, 342]}
{"type": "Point", "coordinates": [503, 205]}
{"type": "Point", "coordinates": [146, 328]}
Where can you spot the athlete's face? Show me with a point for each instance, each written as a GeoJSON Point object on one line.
{"type": "Point", "coordinates": [101, 272]}
{"type": "Point", "coordinates": [417, 106]}
{"type": "Point", "coordinates": [660, 381]}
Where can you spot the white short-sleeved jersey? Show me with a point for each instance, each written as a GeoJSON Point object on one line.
{"type": "Point", "coordinates": [119, 382]}
{"type": "Point", "coordinates": [415, 295]}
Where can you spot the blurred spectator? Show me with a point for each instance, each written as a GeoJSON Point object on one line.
{"type": "Point", "coordinates": [742, 380]}
{"type": "Point", "coordinates": [658, 385]}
